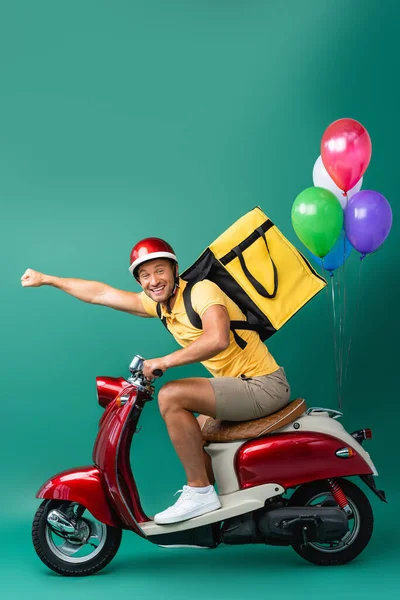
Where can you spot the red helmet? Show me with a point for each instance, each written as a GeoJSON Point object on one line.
{"type": "Point", "coordinates": [149, 249]}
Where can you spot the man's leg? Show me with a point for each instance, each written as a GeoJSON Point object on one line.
{"type": "Point", "coordinates": [177, 401]}
{"type": "Point", "coordinates": [201, 419]}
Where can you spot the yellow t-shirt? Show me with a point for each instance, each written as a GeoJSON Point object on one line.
{"type": "Point", "coordinates": [255, 360]}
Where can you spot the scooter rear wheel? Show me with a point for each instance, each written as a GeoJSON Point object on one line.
{"type": "Point", "coordinates": [360, 523]}
{"type": "Point", "coordinates": [71, 555]}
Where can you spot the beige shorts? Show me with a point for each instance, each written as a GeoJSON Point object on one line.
{"type": "Point", "coordinates": [243, 399]}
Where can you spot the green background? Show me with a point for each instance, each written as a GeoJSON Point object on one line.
{"type": "Point", "coordinates": [124, 119]}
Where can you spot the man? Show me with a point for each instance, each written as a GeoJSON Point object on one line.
{"type": "Point", "coordinates": [246, 384]}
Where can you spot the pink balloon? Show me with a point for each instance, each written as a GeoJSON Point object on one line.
{"type": "Point", "coordinates": [346, 151]}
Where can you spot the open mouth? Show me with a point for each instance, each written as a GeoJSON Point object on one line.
{"type": "Point", "coordinates": [158, 290]}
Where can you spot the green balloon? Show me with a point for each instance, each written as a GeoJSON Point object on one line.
{"type": "Point", "coordinates": [317, 218]}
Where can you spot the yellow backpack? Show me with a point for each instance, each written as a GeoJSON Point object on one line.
{"type": "Point", "coordinates": [260, 270]}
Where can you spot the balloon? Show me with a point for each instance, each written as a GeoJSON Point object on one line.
{"type": "Point", "coordinates": [346, 151]}
{"type": "Point", "coordinates": [337, 256]}
{"type": "Point", "coordinates": [317, 219]}
{"type": "Point", "coordinates": [321, 178]}
{"type": "Point", "coordinates": [368, 220]}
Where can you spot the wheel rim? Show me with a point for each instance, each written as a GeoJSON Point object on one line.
{"type": "Point", "coordinates": [349, 537]}
{"type": "Point", "coordinates": [76, 551]}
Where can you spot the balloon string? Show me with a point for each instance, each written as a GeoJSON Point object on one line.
{"type": "Point", "coordinates": [339, 298]}
{"type": "Point", "coordinates": [331, 302]}
{"type": "Point", "coordinates": [340, 338]}
{"type": "Point", "coordinates": [343, 308]}
{"type": "Point", "coordinates": [335, 347]}
{"type": "Point", "coordinates": [357, 308]}
{"type": "Point", "coordinates": [326, 277]}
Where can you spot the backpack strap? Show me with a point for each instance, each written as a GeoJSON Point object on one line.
{"type": "Point", "coordinates": [246, 326]}
{"type": "Point", "coordinates": [196, 320]}
{"type": "Point", "coordinates": [239, 340]}
{"type": "Point", "coordinates": [162, 319]}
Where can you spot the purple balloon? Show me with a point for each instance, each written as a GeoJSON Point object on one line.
{"type": "Point", "coordinates": [367, 220]}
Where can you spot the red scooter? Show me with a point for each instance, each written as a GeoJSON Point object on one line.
{"type": "Point", "coordinates": [280, 481]}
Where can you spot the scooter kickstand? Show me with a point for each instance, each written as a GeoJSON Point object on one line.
{"type": "Point", "coordinates": [304, 533]}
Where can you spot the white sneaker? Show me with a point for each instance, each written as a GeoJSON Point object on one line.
{"type": "Point", "coordinates": [189, 504]}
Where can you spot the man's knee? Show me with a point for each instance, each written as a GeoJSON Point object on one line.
{"type": "Point", "coordinates": [167, 397]}
{"type": "Point", "coordinates": [187, 394]}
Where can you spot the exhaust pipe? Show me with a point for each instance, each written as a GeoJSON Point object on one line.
{"type": "Point", "coordinates": [60, 523]}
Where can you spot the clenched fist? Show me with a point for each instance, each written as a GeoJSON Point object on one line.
{"type": "Point", "coordinates": [32, 278]}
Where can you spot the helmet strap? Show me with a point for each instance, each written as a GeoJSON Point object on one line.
{"type": "Point", "coordinates": [173, 293]}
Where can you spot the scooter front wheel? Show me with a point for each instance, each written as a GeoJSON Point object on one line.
{"type": "Point", "coordinates": [361, 523]}
{"type": "Point", "coordinates": [84, 551]}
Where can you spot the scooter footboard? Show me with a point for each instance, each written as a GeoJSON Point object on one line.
{"type": "Point", "coordinates": [85, 486]}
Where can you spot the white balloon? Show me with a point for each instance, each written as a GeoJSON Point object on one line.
{"type": "Point", "coordinates": [321, 178]}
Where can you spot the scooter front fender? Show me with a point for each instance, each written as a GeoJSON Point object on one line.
{"type": "Point", "coordinates": [84, 485]}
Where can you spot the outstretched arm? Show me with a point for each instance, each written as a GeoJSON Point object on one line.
{"type": "Point", "coordinates": [93, 292]}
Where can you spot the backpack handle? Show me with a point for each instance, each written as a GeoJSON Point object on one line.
{"type": "Point", "coordinates": [255, 283]}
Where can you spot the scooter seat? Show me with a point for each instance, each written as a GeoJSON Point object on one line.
{"type": "Point", "coordinates": [216, 430]}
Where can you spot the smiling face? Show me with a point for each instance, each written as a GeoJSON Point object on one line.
{"type": "Point", "coordinates": [157, 278]}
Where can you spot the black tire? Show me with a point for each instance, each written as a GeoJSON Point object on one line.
{"type": "Point", "coordinates": [40, 537]}
{"type": "Point", "coordinates": [357, 541]}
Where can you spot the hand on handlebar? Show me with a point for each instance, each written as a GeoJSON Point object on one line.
{"type": "Point", "coordinates": [154, 368]}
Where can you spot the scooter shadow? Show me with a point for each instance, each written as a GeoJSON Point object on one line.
{"type": "Point", "coordinates": [156, 560]}
{"type": "Point", "coordinates": [163, 560]}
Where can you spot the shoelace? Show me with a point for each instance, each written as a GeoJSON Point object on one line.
{"type": "Point", "coordinates": [185, 493]}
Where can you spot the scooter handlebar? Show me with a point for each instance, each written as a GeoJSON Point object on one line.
{"type": "Point", "coordinates": [158, 373]}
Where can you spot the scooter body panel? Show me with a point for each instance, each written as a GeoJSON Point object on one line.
{"type": "Point", "coordinates": [290, 459]}
{"type": "Point", "coordinates": [223, 460]}
{"type": "Point", "coordinates": [111, 456]}
{"type": "Point", "coordinates": [84, 485]}
{"type": "Point", "coordinates": [322, 423]}
{"type": "Point", "coordinates": [234, 504]}
{"type": "Point", "coordinates": [108, 388]}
